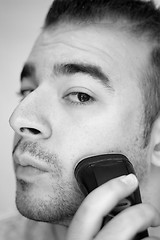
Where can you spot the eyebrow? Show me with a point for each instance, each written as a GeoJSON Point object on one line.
{"type": "Point", "coordinates": [93, 71]}
{"type": "Point", "coordinates": [28, 71]}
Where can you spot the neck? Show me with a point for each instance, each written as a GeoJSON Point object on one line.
{"type": "Point", "coordinates": [58, 232]}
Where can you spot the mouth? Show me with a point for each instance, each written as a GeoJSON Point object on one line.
{"type": "Point", "coordinates": [27, 172]}
{"type": "Point", "coordinates": [28, 167]}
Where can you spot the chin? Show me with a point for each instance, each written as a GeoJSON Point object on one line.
{"type": "Point", "coordinates": [36, 205]}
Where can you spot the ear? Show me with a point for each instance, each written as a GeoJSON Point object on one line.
{"type": "Point", "coordinates": [155, 143]}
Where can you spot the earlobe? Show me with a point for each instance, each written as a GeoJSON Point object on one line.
{"type": "Point", "coordinates": [155, 143]}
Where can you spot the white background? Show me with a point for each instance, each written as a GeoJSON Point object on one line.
{"type": "Point", "coordinates": [20, 23]}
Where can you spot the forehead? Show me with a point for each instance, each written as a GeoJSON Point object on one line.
{"type": "Point", "coordinates": [112, 48]}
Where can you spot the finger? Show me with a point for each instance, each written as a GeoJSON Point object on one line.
{"type": "Point", "coordinates": [88, 219]}
{"type": "Point", "coordinates": [130, 222]}
{"type": "Point", "coordinates": [151, 238]}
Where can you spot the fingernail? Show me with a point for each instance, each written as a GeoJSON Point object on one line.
{"type": "Point", "coordinates": [130, 180]}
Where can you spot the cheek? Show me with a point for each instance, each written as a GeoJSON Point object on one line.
{"type": "Point", "coordinates": [105, 129]}
{"type": "Point", "coordinates": [100, 134]}
{"type": "Point", "coordinates": [91, 137]}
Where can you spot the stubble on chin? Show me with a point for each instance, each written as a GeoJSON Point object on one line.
{"type": "Point", "coordinates": [56, 209]}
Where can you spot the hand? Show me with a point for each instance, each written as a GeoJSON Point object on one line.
{"type": "Point", "coordinates": [87, 222]}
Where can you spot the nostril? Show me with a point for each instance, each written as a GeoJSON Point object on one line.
{"type": "Point", "coordinates": [30, 130]}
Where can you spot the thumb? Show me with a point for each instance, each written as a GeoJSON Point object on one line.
{"type": "Point", "coordinates": [88, 219]}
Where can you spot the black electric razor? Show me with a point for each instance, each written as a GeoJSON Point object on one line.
{"type": "Point", "coordinates": [93, 171]}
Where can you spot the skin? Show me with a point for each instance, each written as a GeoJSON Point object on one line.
{"type": "Point", "coordinates": [56, 129]}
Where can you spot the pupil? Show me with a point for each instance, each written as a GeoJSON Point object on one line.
{"type": "Point", "coordinates": [83, 97]}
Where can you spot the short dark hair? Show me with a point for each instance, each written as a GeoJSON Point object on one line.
{"type": "Point", "coordinates": [142, 19]}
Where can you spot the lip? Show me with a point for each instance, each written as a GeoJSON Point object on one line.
{"type": "Point", "coordinates": [24, 160]}
{"type": "Point", "coordinates": [28, 173]}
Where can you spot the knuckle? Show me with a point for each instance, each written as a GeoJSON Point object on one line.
{"type": "Point", "coordinates": [142, 215]}
{"type": "Point", "coordinates": [86, 207]}
{"type": "Point", "coordinates": [83, 213]}
{"type": "Point", "coordinates": [89, 205]}
{"type": "Point", "coordinates": [151, 214]}
{"type": "Point", "coordinates": [147, 211]}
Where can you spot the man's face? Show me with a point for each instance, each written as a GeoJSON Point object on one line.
{"type": "Point", "coordinates": [82, 97]}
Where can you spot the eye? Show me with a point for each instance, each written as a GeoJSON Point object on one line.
{"type": "Point", "coordinates": [23, 93]}
{"type": "Point", "coordinates": [79, 98]}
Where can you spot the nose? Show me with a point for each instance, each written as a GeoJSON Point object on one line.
{"type": "Point", "coordinates": [30, 121]}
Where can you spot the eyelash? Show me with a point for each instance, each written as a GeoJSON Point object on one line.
{"type": "Point", "coordinates": [85, 102]}
{"type": "Point", "coordinates": [23, 93]}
